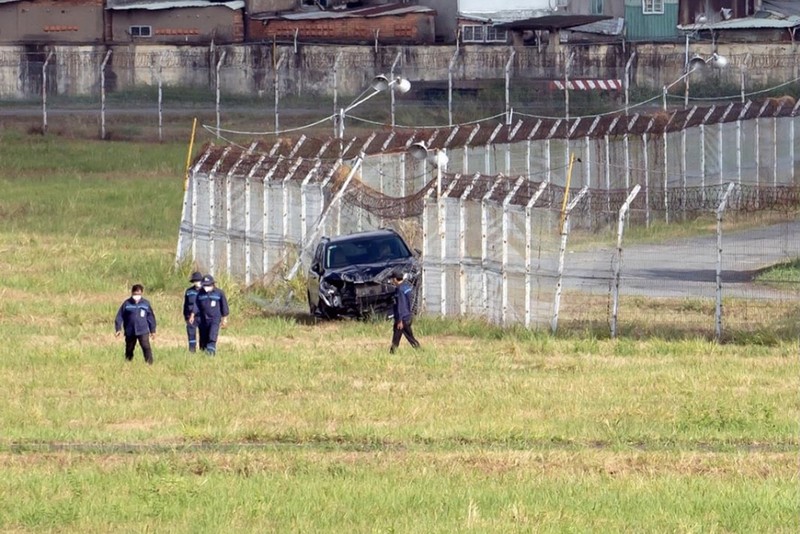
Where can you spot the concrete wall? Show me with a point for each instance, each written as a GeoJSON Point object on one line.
{"type": "Point", "coordinates": [270, 6]}
{"type": "Point", "coordinates": [446, 17]}
{"type": "Point", "coordinates": [248, 69]}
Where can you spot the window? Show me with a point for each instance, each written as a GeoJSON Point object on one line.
{"type": "Point", "coordinates": [472, 34]}
{"type": "Point", "coordinates": [141, 31]}
{"type": "Point", "coordinates": [653, 7]}
{"type": "Point", "coordinates": [482, 34]}
{"type": "Point", "coordinates": [493, 35]}
{"type": "Point", "coordinates": [597, 7]}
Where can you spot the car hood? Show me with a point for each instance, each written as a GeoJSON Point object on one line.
{"type": "Point", "coordinates": [369, 272]}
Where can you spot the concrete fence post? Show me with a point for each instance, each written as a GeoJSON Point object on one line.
{"type": "Point", "coordinates": [623, 211]}
{"type": "Point", "coordinates": [561, 254]}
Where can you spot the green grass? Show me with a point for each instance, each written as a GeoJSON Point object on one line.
{"type": "Point", "coordinates": [786, 273]}
{"type": "Point", "coordinates": [299, 426]}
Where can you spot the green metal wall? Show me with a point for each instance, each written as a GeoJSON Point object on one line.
{"type": "Point", "coordinates": [639, 27]}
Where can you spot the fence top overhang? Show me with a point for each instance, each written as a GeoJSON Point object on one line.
{"type": "Point", "coordinates": [284, 151]}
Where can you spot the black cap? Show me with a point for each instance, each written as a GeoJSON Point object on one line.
{"type": "Point", "coordinates": [208, 280]}
{"type": "Point", "coordinates": [397, 274]}
{"type": "Point", "coordinates": [196, 277]}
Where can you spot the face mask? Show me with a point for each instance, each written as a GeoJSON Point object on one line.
{"type": "Point", "coordinates": [197, 285]}
{"type": "Point", "coordinates": [208, 289]}
{"type": "Point", "coordinates": [136, 298]}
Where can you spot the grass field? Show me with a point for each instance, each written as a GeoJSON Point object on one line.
{"type": "Point", "coordinates": [299, 426]}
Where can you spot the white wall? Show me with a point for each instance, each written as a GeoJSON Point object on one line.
{"type": "Point", "coordinates": [481, 6]}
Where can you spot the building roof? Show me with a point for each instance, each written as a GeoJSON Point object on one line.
{"type": "Point", "coordinates": [507, 15]}
{"type": "Point", "coordinates": [119, 5]}
{"type": "Point", "coordinates": [552, 22]}
{"type": "Point", "coordinates": [360, 12]}
{"type": "Point", "coordinates": [613, 26]}
{"type": "Point", "coordinates": [760, 21]}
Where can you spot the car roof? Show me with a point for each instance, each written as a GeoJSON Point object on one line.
{"type": "Point", "coordinates": [361, 235]}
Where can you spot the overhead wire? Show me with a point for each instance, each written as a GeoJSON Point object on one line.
{"type": "Point", "coordinates": [216, 131]}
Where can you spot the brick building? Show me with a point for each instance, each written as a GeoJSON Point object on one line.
{"type": "Point", "coordinates": [387, 24]}
{"type": "Point", "coordinates": [51, 21]}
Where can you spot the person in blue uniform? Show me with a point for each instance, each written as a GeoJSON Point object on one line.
{"type": "Point", "coordinates": [138, 321]}
{"type": "Point", "coordinates": [210, 312]}
{"type": "Point", "coordinates": [403, 294]}
{"type": "Point", "coordinates": [189, 298]}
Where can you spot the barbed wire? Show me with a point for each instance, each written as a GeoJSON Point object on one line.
{"type": "Point", "coordinates": [214, 129]}
{"type": "Point", "coordinates": [739, 95]}
{"type": "Point", "coordinates": [430, 127]}
{"type": "Point", "coordinates": [498, 115]}
{"type": "Point", "coordinates": [695, 199]}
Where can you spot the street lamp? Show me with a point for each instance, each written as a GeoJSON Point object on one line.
{"type": "Point", "coordinates": [379, 84]}
{"type": "Point", "coordinates": [696, 63]}
{"type": "Point", "coordinates": [437, 157]}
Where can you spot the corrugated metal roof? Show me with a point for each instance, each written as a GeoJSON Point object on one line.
{"type": "Point", "coordinates": [613, 26]}
{"type": "Point", "coordinates": [746, 23]}
{"type": "Point", "coordinates": [361, 12]}
{"type": "Point", "coordinates": [549, 22]}
{"type": "Point", "coordinates": [119, 5]}
{"type": "Point", "coordinates": [507, 15]}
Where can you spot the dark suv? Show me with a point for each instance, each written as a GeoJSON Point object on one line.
{"type": "Point", "coordinates": [350, 274]}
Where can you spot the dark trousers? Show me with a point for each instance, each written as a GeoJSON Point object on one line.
{"type": "Point", "coordinates": [208, 336]}
{"type": "Point", "coordinates": [144, 342]}
{"type": "Point", "coordinates": [397, 334]}
{"type": "Point", "coordinates": [191, 333]}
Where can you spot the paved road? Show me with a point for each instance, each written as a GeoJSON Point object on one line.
{"type": "Point", "coordinates": [687, 267]}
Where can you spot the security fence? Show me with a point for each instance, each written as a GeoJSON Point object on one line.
{"type": "Point", "coordinates": [540, 245]}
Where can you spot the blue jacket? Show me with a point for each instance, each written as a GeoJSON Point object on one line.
{"type": "Point", "coordinates": [137, 318]}
{"type": "Point", "coordinates": [189, 299]}
{"type": "Point", "coordinates": [210, 306]}
{"type": "Point", "coordinates": [402, 302]}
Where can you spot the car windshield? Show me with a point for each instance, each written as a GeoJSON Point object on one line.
{"type": "Point", "coordinates": [365, 250]}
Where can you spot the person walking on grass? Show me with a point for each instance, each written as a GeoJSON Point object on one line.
{"type": "Point", "coordinates": [189, 298]}
{"type": "Point", "coordinates": [137, 319]}
{"type": "Point", "coordinates": [402, 312]}
{"type": "Point", "coordinates": [210, 313]}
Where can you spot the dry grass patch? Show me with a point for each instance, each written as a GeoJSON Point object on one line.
{"type": "Point", "coordinates": [518, 464]}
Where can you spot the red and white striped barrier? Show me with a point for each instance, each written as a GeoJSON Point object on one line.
{"type": "Point", "coordinates": [588, 85]}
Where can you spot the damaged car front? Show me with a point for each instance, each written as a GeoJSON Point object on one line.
{"type": "Point", "coordinates": [350, 275]}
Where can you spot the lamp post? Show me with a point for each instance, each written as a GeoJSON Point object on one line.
{"type": "Point", "coordinates": [697, 62]}
{"type": "Point", "coordinates": [437, 157]}
{"type": "Point", "coordinates": [379, 84]}
{"type": "Point", "coordinates": [566, 84]}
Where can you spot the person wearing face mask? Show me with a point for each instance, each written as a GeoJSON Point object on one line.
{"type": "Point", "coordinates": [137, 319]}
{"type": "Point", "coordinates": [210, 313]}
{"type": "Point", "coordinates": [189, 298]}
